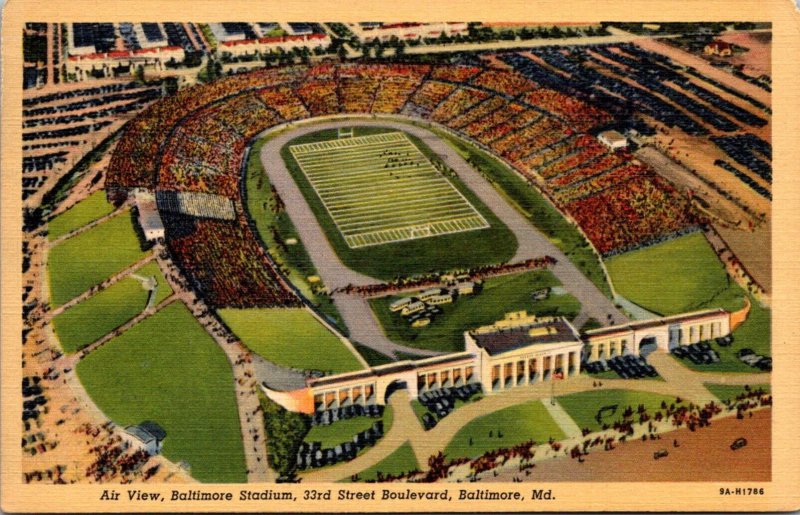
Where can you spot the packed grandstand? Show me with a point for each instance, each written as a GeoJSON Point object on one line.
{"type": "Point", "coordinates": [545, 135]}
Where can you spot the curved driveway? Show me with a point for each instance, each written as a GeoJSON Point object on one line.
{"type": "Point", "coordinates": [531, 243]}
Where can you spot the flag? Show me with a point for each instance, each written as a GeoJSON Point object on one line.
{"type": "Point", "coordinates": [558, 375]}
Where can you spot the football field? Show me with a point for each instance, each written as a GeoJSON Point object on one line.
{"type": "Point", "coordinates": [381, 189]}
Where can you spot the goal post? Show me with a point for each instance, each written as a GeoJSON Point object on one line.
{"type": "Point", "coordinates": [346, 132]}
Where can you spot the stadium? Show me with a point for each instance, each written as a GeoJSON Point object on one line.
{"type": "Point", "coordinates": [386, 257]}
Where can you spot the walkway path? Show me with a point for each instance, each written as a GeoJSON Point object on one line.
{"type": "Point", "coordinates": [636, 311]}
{"type": "Point", "coordinates": [562, 418]}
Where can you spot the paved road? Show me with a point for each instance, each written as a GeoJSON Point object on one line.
{"type": "Point", "coordinates": [366, 330]}
{"type": "Point", "coordinates": [335, 274]}
{"type": "Point", "coordinates": [616, 36]}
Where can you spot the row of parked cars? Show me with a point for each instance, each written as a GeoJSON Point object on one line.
{"type": "Point", "coordinates": [442, 401]}
{"type": "Point", "coordinates": [328, 417]}
{"type": "Point", "coordinates": [699, 353]}
{"type": "Point", "coordinates": [312, 455]}
{"type": "Point", "coordinates": [627, 367]}
{"type": "Point", "coordinates": [632, 367]}
{"type": "Point", "coordinates": [758, 361]}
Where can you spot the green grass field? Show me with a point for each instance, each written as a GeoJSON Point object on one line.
{"type": "Point", "coordinates": [495, 244]}
{"type": "Point", "coordinates": [77, 264]}
{"type": "Point", "coordinates": [373, 357]}
{"type": "Point", "coordinates": [500, 295]}
{"type": "Point", "coordinates": [584, 406]}
{"type": "Point", "coordinates": [504, 428]}
{"type": "Point", "coordinates": [88, 210]}
{"type": "Point", "coordinates": [380, 189]}
{"type": "Point", "coordinates": [98, 315]}
{"type": "Point", "coordinates": [530, 202]}
{"type": "Point", "coordinates": [725, 392]}
{"type": "Point", "coordinates": [169, 370]}
{"type": "Point", "coordinates": [291, 338]}
{"type": "Point", "coordinates": [344, 430]}
{"type": "Point", "coordinates": [673, 277]}
{"type": "Point", "coordinates": [275, 228]}
{"type": "Point", "coordinates": [402, 460]}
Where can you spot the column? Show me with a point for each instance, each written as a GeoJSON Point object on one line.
{"type": "Point", "coordinates": [540, 368]}
{"type": "Point", "coordinates": [594, 354]}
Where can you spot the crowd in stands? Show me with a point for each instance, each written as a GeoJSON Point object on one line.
{"type": "Point", "coordinates": [645, 210]}
{"type": "Point", "coordinates": [538, 117]}
{"type": "Point", "coordinates": [473, 274]}
{"type": "Point", "coordinates": [225, 263]}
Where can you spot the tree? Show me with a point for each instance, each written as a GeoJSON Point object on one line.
{"type": "Point", "coordinates": [342, 53]}
{"type": "Point", "coordinates": [285, 432]}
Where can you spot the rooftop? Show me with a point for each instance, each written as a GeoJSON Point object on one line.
{"type": "Point", "coordinates": [537, 333]}
{"type": "Point", "coordinates": [655, 322]}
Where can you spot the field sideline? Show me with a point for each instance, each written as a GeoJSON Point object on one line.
{"type": "Point", "coordinates": [381, 188]}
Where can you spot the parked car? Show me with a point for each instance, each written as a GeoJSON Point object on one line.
{"type": "Point", "coordinates": [738, 443]}
{"type": "Point", "coordinates": [663, 453]}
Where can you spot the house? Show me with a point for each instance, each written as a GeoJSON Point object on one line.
{"type": "Point", "coordinates": [149, 217]}
{"type": "Point", "coordinates": [613, 140]}
{"type": "Point", "coordinates": [719, 48]}
{"type": "Point", "coordinates": [148, 436]}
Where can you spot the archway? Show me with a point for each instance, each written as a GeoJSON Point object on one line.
{"type": "Point", "coordinates": [647, 345]}
{"type": "Point", "coordinates": [397, 384]}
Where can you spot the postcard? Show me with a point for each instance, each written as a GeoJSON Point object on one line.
{"type": "Point", "coordinates": [360, 258]}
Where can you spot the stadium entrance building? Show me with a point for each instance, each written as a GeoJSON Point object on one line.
{"type": "Point", "coordinates": [519, 350]}
{"type": "Point", "coordinates": [667, 333]}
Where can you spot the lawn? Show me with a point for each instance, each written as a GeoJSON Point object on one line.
{"type": "Point", "coordinates": [77, 264]}
{"type": "Point", "coordinates": [169, 370]}
{"type": "Point", "coordinates": [504, 428]}
{"type": "Point", "coordinates": [676, 276]}
{"type": "Point", "coordinates": [344, 430]}
{"type": "Point", "coordinates": [726, 392]}
{"type": "Point", "coordinates": [530, 202]}
{"type": "Point", "coordinates": [496, 244]}
{"type": "Point", "coordinates": [583, 407]}
{"type": "Point", "coordinates": [91, 208]}
{"type": "Point", "coordinates": [371, 356]}
{"type": "Point", "coordinates": [98, 315]}
{"type": "Point", "coordinates": [290, 338]}
{"type": "Point", "coordinates": [402, 460]}
{"type": "Point", "coordinates": [500, 295]}
{"type": "Point", "coordinates": [753, 334]}
{"type": "Point", "coordinates": [275, 228]}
